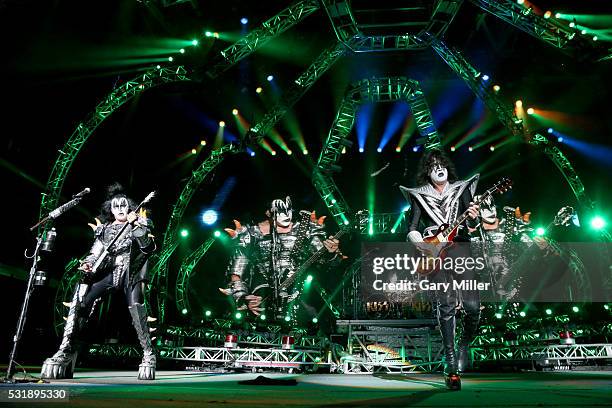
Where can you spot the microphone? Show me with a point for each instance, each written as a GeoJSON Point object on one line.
{"type": "Point", "coordinates": [82, 193]}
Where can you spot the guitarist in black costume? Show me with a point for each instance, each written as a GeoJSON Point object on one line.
{"type": "Point", "coordinates": [440, 199]}
{"type": "Point", "coordinates": [269, 253]}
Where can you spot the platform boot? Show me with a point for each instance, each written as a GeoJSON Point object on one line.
{"type": "Point", "coordinates": [451, 372]}
{"type": "Point", "coordinates": [470, 329]}
{"type": "Point", "coordinates": [146, 370]}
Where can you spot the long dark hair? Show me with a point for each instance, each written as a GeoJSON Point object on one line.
{"type": "Point", "coordinates": [115, 190]}
{"type": "Point", "coordinates": [426, 162]}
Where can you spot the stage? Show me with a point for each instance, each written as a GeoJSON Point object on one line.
{"type": "Point", "coordinates": [186, 389]}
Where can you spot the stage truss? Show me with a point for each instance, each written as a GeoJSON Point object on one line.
{"type": "Point", "coordinates": [351, 38]}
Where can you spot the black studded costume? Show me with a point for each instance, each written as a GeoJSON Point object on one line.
{"type": "Point", "coordinates": [262, 260]}
{"type": "Point", "coordinates": [126, 269]}
{"type": "Point", "coordinates": [429, 210]}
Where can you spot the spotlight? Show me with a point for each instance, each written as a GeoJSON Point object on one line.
{"type": "Point", "coordinates": [550, 130]}
{"type": "Point", "coordinates": [346, 222]}
{"type": "Point", "coordinates": [273, 153]}
{"type": "Point", "coordinates": [309, 278]}
{"type": "Point", "coordinates": [202, 142]}
{"type": "Point", "coordinates": [520, 1]}
{"type": "Point", "coordinates": [208, 34]}
{"type": "Point", "coordinates": [485, 77]}
{"type": "Point", "coordinates": [379, 150]}
{"type": "Point", "coordinates": [238, 315]}
{"type": "Point", "coordinates": [415, 149]}
{"type": "Point", "coordinates": [217, 234]}
{"type": "Point", "coordinates": [607, 307]}
{"type": "Point", "coordinates": [333, 201]}
{"type": "Point", "coordinates": [583, 32]}
{"type": "Point", "coordinates": [184, 233]}
{"type": "Point", "coordinates": [158, 67]}
{"type": "Point", "coordinates": [406, 208]}
{"type": "Point", "coordinates": [208, 313]}
{"type": "Point", "coordinates": [492, 148]}
{"type": "Point", "coordinates": [572, 24]}
{"type": "Point", "coordinates": [270, 78]}
{"type": "Point", "coordinates": [287, 318]}
{"type": "Point", "coordinates": [262, 317]}
{"type": "Point", "coordinates": [398, 149]}
{"type": "Point", "coordinates": [216, 35]}
{"type": "Point", "coordinates": [523, 314]}
{"type": "Point", "coordinates": [530, 111]}
{"type": "Point", "coordinates": [234, 111]}
{"type": "Point", "coordinates": [575, 309]}
{"type": "Point", "coordinates": [209, 217]}
{"type": "Point", "coordinates": [182, 50]}
{"type": "Point", "coordinates": [184, 311]}
{"type": "Point", "coordinates": [498, 315]}
{"type": "Point", "coordinates": [471, 149]}
{"type": "Point", "coordinates": [547, 14]}
{"type": "Point", "coordinates": [170, 59]}
{"type": "Point", "coordinates": [252, 154]}
{"type": "Point", "coordinates": [595, 38]}
{"type": "Point", "coordinates": [361, 150]}
{"type": "Point", "coordinates": [315, 320]}
{"type": "Point", "coordinates": [289, 152]}
{"type": "Point", "coordinates": [496, 88]}
{"type": "Point", "coordinates": [598, 222]}
{"type": "Point", "coordinates": [244, 20]}
{"type": "Point", "coordinates": [540, 231]}
{"type": "Point", "coordinates": [259, 89]}
{"type": "Point", "coordinates": [557, 15]}
{"type": "Point", "coordinates": [305, 151]}
{"type": "Point", "coordinates": [222, 124]}
{"type": "Point", "coordinates": [453, 148]}
{"type": "Point", "coordinates": [194, 42]}
{"type": "Point", "coordinates": [560, 139]}
{"type": "Point", "coordinates": [548, 312]}
{"type": "Point", "coordinates": [193, 151]}
{"type": "Point", "coordinates": [518, 103]}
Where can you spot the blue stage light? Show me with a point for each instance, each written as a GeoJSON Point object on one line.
{"type": "Point", "coordinates": [209, 217]}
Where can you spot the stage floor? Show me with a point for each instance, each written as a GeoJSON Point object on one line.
{"type": "Point", "coordinates": [191, 389]}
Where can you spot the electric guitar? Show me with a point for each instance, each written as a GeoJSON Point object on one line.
{"type": "Point", "coordinates": [442, 239]}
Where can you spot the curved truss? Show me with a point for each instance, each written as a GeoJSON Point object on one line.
{"type": "Point", "coordinates": [83, 131]}
{"type": "Point", "coordinates": [184, 274]}
{"type": "Point", "coordinates": [366, 90]}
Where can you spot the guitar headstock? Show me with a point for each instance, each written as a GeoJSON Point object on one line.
{"type": "Point", "coordinates": [503, 185]}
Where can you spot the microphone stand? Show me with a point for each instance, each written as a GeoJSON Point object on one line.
{"type": "Point", "coordinates": [30, 286]}
{"type": "Point", "coordinates": [275, 279]}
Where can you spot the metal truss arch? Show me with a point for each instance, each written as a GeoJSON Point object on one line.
{"type": "Point", "coordinates": [184, 276]}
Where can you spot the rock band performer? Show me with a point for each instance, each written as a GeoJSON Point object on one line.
{"type": "Point", "coordinates": [125, 268]}
{"type": "Point", "coordinates": [439, 199]}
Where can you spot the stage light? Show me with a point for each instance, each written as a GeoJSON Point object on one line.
{"type": "Point", "coordinates": [158, 67]}
{"type": "Point", "coordinates": [234, 111]}
{"type": "Point", "coordinates": [361, 150]}
{"type": "Point", "coordinates": [548, 312]}
{"type": "Point", "coordinates": [170, 59]}
{"type": "Point", "coordinates": [518, 103]}
{"type": "Point", "coordinates": [606, 307]}
{"type": "Point", "coordinates": [492, 148]}
{"type": "Point", "coordinates": [583, 32]}
{"type": "Point", "coordinates": [305, 151]}
{"type": "Point", "coordinates": [333, 201]}
{"type": "Point", "coordinates": [182, 50]}
{"type": "Point", "coordinates": [572, 24]}
{"type": "Point", "coordinates": [557, 15]}
{"type": "Point", "coordinates": [344, 150]}
{"type": "Point", "coordinates": [471, 149]}
{"type": "Point", "coordinates": [346, 222]}
{"type": "Point", "coordinates": [262, 317]}
{"type": "Point", "coordinates": [498, 315]}
{"type": "Point", "coordinates": [244, 20]}
{"type": "Point", "coordinates": [184, 311]}
{"type": "Point", "coordinates": [209, 217]}
{"type": "Point", "coordinates": [273, 153]}
{"type": "Point", "coordinates": [520, 1]}
{"type": "Point", "coordinates": [522, 314]}
{"type": "Point", "coordinates": [595, 38]}
{"type": "Point", "coordinates": [208, 34]}
{"type": "Point", "coordinates": [252, 154]}
{"type": "Point", "coordinates": [598, 222]}
{"type": "Point", "coordinates": [315, 320]}
{"type": "Point", "coordinates": [194, 42]}
{"type": "Point", "coordinates": [309, 279]}
{"type": "Point", "coordinates": [530, 111]}
{"type": "Point", "coordinates": [453, 148]}
{"type": "Point", "coordinates": [216, 35]}
{"type": "Point", "coordinates": [193, 151]}
{"type": "Point", "coordinates": [575, 309]}
{"type": "Point", "coordinates": [415, 149]}
{"type": "Point", "coordinates": [560, 139]}
{"type": "Point", "coordinates": [496, 88]}
{"type": "Point", "coordinates": [289, 152]}
{"type": "Point", "coordinates": [222, 124]}
{"type": "Point", "coordinates": [485, 77]}
{"type": "Point", "coordinates": [547, 14]}
{"type": "Point", "coordinates": [202, 142]}
{"type": "Point", "coordinates": [379, 150]}
{"type": "Point", "coordinates": [217, 233]}
{"type": "Point", "coordinates": [270, 78]}
{"type": "Point", "coordinates": [540, 231]}
{"type": "Point", "coordinates": [550, 130]}
{"type": "Point", "coordinates": [398, 149]}
{"type": "Point", "coordinates": [238, 315]}
{"type": "Point", "coordinates": [184, 233]}
{"type": "Point", "coordinates": [259, 89]}
{"type": "Point", "coordinates": [208, 313]}
{"type": "Point", "coordinates": [287, 318]}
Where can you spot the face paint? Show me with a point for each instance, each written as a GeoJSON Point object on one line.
{"type": "Point", "coordinates": [120, 208]}
{"type": "Point", "coordinates": [439, 174]}
{"type": "Point", "coordinates": [283, 211]}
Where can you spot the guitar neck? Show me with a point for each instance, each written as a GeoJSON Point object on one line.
{"type": "Point", "coordinates": [461, 219]}
{"type": "Point", "coordinates": [312, 259]}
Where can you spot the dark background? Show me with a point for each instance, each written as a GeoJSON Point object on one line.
{"type": "Point", "coordinates": [61, 58]}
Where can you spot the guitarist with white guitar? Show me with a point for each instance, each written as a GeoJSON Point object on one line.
{"type": "Point", "coordinates": [441, 200]}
